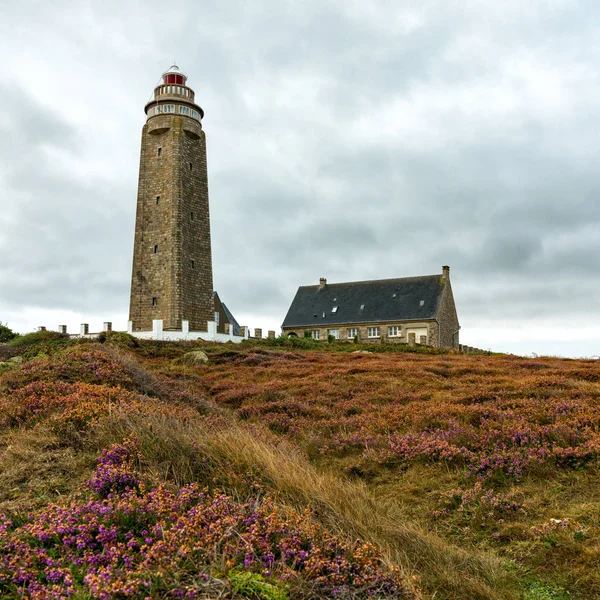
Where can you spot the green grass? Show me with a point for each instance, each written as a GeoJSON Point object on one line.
{"type": "Point", "coordinates": [253, 586]}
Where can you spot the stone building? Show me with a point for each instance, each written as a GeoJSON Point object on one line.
{"type": "Point", "coordinates": [172, 275]}
{"type": "Point", "coordinates": [384, 310]}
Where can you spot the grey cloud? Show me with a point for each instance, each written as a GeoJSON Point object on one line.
{"type": "Point", "coordinates": [349, 140]}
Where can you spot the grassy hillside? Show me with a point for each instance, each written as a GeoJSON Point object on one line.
{"type": "Point", "coordinates": [295, 471]}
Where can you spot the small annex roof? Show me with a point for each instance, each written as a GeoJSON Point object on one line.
{"type": "Point", "coordinates": [380, 300]}
{"type": "Point", "coordinates": [234, 324]}
{"type": "Point", "coordinates": [231, 319]}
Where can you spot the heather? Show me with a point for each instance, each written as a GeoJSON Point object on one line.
{"type": "Point", "coordinates": [480, 449]}
{"type": "Point", "coordinates": [500, 421]}
{"type": "Point", "coordinates": [132, 528]}
{"type": "Point", "coordinates": [131, 539]}
{"type": "Point", "coordinates": [298, 470]}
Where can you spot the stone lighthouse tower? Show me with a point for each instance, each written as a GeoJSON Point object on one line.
{"type": "Point", "coordinates": [172, 265]}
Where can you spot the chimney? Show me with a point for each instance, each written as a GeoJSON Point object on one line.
{"type": "Point", "coordinates": [446, 272]}
{"type": "Point", "coordinates": [322, 283]}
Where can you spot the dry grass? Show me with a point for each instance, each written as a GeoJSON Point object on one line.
{"type": "Point", "coordinates": [35, 468]}
{"type": "Point", "coordinates": [229, 453]}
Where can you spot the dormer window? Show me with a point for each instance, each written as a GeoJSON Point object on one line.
{"type": "Point", "coordinates": [422, 303]}
{"type": "Point", "coordinates": [334, 309]}
{"type": "Point", "coordinates": [362, 307]}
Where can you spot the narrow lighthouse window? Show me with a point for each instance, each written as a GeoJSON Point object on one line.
{"type": "Point", "coordinates": [159, 152]}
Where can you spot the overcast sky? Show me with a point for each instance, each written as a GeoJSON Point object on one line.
{"type": "Point", "coordinates": [346, 139]}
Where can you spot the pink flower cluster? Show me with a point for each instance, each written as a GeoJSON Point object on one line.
{"type": "Point", "coordinates": [115, 473]}
{"type": "Point", "coordinates": [133, 541]}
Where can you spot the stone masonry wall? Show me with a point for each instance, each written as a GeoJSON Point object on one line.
{"type": "Point", "coordinates": [431, 326]}
{"type": "Point", "coordinates": [167, 238]}
{"type": "Point", "coordinates": [196, 261]}
{"type": "Point", "coordinates": [448, 319]}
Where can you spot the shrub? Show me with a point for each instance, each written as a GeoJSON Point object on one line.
{"type": "Point", "coordinates": [33, 344]}
{"type": "Point", "coordinates": [118, 339]}
{"type": "Point", "coordinates": [6, 333]}
{"type": "Point", "coordinates": [82, 363]}
{"type": "Point", "coordinates": [37, 337]}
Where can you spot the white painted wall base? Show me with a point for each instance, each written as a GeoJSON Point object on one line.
{"type": "Point", "coordinates": [211, 335]}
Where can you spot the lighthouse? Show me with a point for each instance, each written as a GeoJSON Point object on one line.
{"type": "Point", "coordinates": [172, 278]}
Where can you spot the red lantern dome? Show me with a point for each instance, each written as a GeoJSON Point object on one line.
{"type": "Point", "coordinates": [174, 76]}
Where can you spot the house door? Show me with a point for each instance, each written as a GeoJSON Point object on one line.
{"type": "Point", "coordinates": [418, 331]}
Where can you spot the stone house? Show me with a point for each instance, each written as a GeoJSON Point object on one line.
{"type": "Point", "coordinates": [383, 310]}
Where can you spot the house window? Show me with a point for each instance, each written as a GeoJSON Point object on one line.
{"type": "Point", "coordinates": [394, 331]}
{"type": "Point", "coordinates": [352, 332]}
{"type": "Point", "coordinates": [315, 334]}
{"type": "Point", "coordinates": [156, 249]}
{"type": "Point", "coordinates": [193, 263]}
{"type": "Point", "coordinates": [157, 199]}
{"type": "Point", "coordinates": [216, 317]}
{"type": "Point", "coordinates": [154, 301]}
{"type": "Point", "coordinates": [159, 152]}
{"type": "Point", "coordinates": [373, 332]}
{"type": "Point", "coordinates": [334, 332]}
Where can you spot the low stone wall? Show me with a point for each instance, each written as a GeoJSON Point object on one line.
{"type": "Point", "coordinates": [472, 350]}
{"type": "Point", "coordinates": [158, 333]}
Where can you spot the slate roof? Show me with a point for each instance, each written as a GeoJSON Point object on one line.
{"type": "Point", "coordinates": [382, 300]}
{"type": "Point", "coordinates": [230, 317]}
